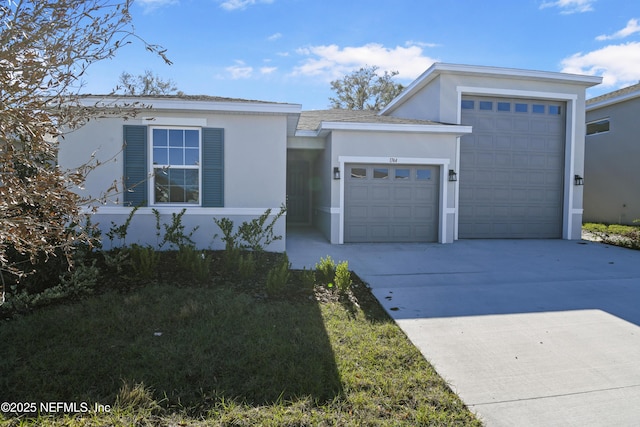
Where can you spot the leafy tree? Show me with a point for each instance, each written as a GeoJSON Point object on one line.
{"type": "Point", "coordinates": [45, 48]}
{"type": "Point", "coordinates": [365, 89]}
{"type": "Point", "coordinates": [146, 84]}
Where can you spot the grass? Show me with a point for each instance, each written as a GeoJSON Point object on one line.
{"type": "Point", "coordinates": [616, 234]}
{"type": "Point", "coordinates": [218, 354]}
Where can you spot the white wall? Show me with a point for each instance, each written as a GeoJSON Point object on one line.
{"type": "Point", "coordinates": [254, 168]}
{"type": "Point", "coordinates": [446, 90]}
{"type": "Point", "coordinates": [389, 147]}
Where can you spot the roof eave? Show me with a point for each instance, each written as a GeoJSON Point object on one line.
{"type": "Point", "coordinates": [611, 101]}
{"type": "Point", "coordinates": [439, 68]}
{"type": "Point", "coordinates": [396, 127]}
{"type": "Point", "coordinates": [178, 104]}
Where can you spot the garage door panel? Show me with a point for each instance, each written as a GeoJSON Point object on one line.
{"type": "Point", "coordinates": [402, 194]}
{"type": "Point", "coordinates": [397, 203]}
{"type": "Point", "coordinates": [380, 193]}
{"type": "Point", "coordinates": [513, 187]}
{"type": "Point", "coordinates": [360, 192]}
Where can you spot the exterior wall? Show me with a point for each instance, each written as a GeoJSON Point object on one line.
{"type": "Point", "coordinates": [254, 170]}
{"type": "Point", "coordinates": [395, 148]}
{"type": "Point", "coordinates": [611, 179]}
{"type": "Point", "coordinates": [447, 89]}
{"type": "Point", "coordinates": [425, 105]}
{"type": "Point", "coordinates": [323, 217]}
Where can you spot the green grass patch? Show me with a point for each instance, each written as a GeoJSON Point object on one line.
{"type": "Point", "coordinates": [214, 355]}
{"type": "Point", "coordinates": [616, 234]}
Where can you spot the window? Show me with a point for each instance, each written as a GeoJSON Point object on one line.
{"type": "Point", "coordinates": [504, 106]}
{"type": "Point", "coordinates": [537, 109]}
{"type": "Point", "coordinates": [486, 105]}
{"type": "Point", "coordinates": [555, 110]}
{"type": "Point", "coordinates": [380, 173]}
{"type": "Point", "coordinates": [468, 105]}
{"type": "Point", "coordinates": [358, 173]}
{"type": "Point", "coordinates": [522, 108]}
{"type": "Point", "coordinates": [402, 173]}
{"type": "Point", "coordinates": [599, 126]}
{"type": "Point", "coordinates": [176, 165]}
{"type": "Point", "coordinates": [138, 167]}
{"type": "Point", "coordinates": [423, 174]}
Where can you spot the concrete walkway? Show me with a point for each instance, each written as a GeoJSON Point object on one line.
{"type": "Point", "coordinates": [527, 332]}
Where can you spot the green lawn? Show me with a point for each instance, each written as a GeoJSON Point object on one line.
{"type": "Point", "coordinates": [616, 234]}
{"type": "Point", "coordinates": [219, 354]}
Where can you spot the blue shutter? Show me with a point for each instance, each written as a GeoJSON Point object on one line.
{"type": "Point", "coordinates": [135, 165]}
{"type": "Point", "coordinates": [212, 167]}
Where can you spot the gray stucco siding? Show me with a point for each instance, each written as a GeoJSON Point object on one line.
{"type": "Point", "coordinates": [612, 159]}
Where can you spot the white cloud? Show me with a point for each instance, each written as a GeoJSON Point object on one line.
{"type": "Point", "coordinates": [332, 62]}
{"type": "Point", "coordinates": [631, 28]}
{"type": "Point", "coordinates": [421, 44]}
{"type": "Point", "coordinates": [274, 37]}
{"type": "Point", "coordinates": [617, 64]}
{"type": "Point", "coordinates": [241, 4]}
{"type": "Point", "coordinates": [240, 70]}
{"type": "Point", "coordinates": [268, 70]}
{"type": "Point", "coordinates": [568, 7]}
{"type": "Point", "coordinates": [151, 5]}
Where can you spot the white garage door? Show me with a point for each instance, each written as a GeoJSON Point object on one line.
{"type": "Point", "coordinates": [511, 168]}
{"type": "Point", "coordinates": [385, 203]}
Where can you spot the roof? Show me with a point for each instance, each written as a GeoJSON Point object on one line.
{"type": "Point", "coordinates": [199, 103]}
{"type": "Point", "coordinates": [320, 122]}
{"type": "Point", "coordinates": [180, 96]}
{"type": "Point", "coordinates": [477, 70]}
{"type": "Point", "coordinates": [614, 97]}
{"type": "Point", "coordinates": [311, 120]}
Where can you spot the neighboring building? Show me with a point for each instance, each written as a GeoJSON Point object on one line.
{"type": "Point", "coordinates": [463, 152]}
{"type": "Point", "coordinates": [612, 158]}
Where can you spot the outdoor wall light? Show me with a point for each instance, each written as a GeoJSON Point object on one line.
{"type": "Point", "coordinates": [336, 173]}
{"type": "Point", "coordinates": [453, 176]}
{"type": "Point", "coordinates": [578, 180]}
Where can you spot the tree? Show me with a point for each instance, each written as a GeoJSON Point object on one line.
{"type": "Point", "coordinates": [45, 48]}
{"type": "Point", "coordinates": [365, 89]}
{"type": "Point", "coordinates": [146, 84]}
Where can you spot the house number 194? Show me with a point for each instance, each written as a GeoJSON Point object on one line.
{"type": "Point", "coordinates": [393, 160]}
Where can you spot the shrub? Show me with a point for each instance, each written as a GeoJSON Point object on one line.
{"type": "Point", "coordinates": [256, 235]}
{"type": "Point", "coordinates": [325, 270]}
{"type": "Point", "coordinates": [143, 261]}
{"type": "Point", "coordinates": [278, 277]}
{"type": "Point", "coordinates": [343, 277]}
{"type": "Point", "coordinates": [246, 266]}
{"type": "Point", "coordinates": [307, 278]}
{"type": "Point", "coordinates": [120, 231]}
{"type": "Point", "coordinates": [194, 262]}
{"type": "Point", "coordinates": [174, 233]}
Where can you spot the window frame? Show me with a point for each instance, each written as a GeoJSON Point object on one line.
{"type": "Point", "coordinates": [598, 121]}
{"type": "Point", "coordinates": [152, 167]}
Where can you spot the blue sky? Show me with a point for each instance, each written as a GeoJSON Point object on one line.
{"type": "Point", "coordinates": [290, 50]}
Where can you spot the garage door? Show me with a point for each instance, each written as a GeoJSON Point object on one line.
{"type": "Point", "coordinates": [511, 168]}
{"type": "Point", "coordinates": [386, 203]}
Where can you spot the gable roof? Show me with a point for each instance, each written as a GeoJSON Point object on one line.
{"type": "Point", "coordinates": [319, 122]}
{"type": "Point", "coordinates": [614, 97]}
{"type": "Point", "coordinates": [439, 68]}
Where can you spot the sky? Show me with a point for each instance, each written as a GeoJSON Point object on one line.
{"type": "Point", "coordinates": [290, 50]}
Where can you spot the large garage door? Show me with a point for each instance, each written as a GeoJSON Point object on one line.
{"type": "Point", "coordinates": [511, 168]}
{"type": "Point", "coordinates": [385, 203]}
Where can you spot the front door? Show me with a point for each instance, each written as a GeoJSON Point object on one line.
{"type": "Point", "coordinates": [298, 193]}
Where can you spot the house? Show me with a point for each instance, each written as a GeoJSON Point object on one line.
{"type": "Point", "coordinates": [462, 152]}
{"type": "Point", "coordinates": [612, 156]}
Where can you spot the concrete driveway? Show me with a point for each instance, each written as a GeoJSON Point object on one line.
{"type": "Point", "coordinates": [527, 332]}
